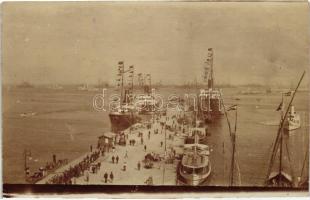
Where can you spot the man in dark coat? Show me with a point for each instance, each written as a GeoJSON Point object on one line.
{"type": "Point", "coordinates": [111, 176]}
{"type": "Point", "coordinates": [105, 177]}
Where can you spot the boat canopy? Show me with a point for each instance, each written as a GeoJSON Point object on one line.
{"type": "Point", "coordinates": [108, 135]}
{"type": "Point", "coordinates": [195, 161]}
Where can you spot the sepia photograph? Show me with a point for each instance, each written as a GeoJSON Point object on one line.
{"type": "Point", "coordinates": [155, 96]}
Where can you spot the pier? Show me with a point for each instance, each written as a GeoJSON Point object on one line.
{"type": "Point", "coordinates": [166, 144]}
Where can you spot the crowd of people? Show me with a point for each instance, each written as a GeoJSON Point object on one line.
{"type": "Point", "coordinates": [89, 165]}
{"type": "Point", "coordinates": [43, 171]}
{"type": "Point", "coordinates": [77, 170]}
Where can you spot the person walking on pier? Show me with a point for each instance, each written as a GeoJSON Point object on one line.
{"type": "Point", "coordinates": [161, 143]}
{"type": "Point", "coordinates": [87, 176]}
{"type": "Point", "coordinates": [124, 166]}
{"type": "Point", "coordinates": [141, 140]}
{"type": "Point", "coordinates": [105, 177]}
{"type": "Point", "coordinates": [113, 158]}
{"type": "Point", "coordinates": [117, 158]}
{"type": "Point", "coordinates": [126, 154]}
{"type": "Point", "coordinates": [91, 148]}
{"type": "Point", "coordinates": [139, 165]}
{"type": "Point", "coordinates": [149, 135]}
{"type": "Point", "coordinates": [111, 177]}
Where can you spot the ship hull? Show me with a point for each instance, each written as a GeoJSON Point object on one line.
{"type": "Point", "coordinates": [212, 112]}
{"type": "Point", "coordinates": [193, 179]}
{"type": "Point", "coordinates": [292, 122]}
{"type": "Point", "coordinates": [122, 121]}
{"type": "Point", "coordinates": [292, 127]}
{"type": "Point", "coordinates": [191, 140]}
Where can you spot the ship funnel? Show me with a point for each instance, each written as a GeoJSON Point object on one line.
{"type": "Point", "coordinates": [196, 138]}
{"type": "Point", "coordinates": [292, 109]}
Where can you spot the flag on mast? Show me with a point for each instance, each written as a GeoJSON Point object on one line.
{"type": "Point", "coordinates": [280, 106]}
{"type": "Point", "coordinates": [233, 107]}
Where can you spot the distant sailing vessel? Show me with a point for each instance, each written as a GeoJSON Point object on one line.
{"type": "Point", "coordinates": [195, 167]}
{"type": "Point", "coordinates": [125, 114]}
{"type": "Point", "coordinates": [292, 121]}
{"type": "Point", "coordinates": [210, 99]}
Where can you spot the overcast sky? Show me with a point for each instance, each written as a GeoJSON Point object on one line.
{"type": "Point", "coordinates": [83, 42]}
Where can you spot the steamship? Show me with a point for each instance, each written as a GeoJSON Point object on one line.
{"type": "Point", "coordinates": [125, 114]}
{"type": "Point", "coordinates": [210, 107]}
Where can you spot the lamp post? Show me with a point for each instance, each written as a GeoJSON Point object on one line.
{"type": "Point", "coordinates": [164, 169]}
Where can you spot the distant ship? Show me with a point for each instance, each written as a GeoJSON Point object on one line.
{"type": "Point", "coordinates": [145, 103]}
{"type": "Point", "coordinates": [194, 167]}
{"type": "Point", "coordinates": [292, 120]}
{"type": "Point", "coordinates": [124, 115]}
{"type": "Point", "coordinates": [210, 107]}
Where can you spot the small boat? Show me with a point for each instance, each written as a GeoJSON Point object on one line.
{"type": "Point", "coordinates": [281, 179]}
{"type": "Point", "coordinates": [292, 121]}
{"type": "Point", "coordinates": [194, 167]}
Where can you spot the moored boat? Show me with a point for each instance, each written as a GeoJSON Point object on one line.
{"type": "Point", "coordinates": [194, 167]}
{"type": "Point", "coordinates": [123, 118]}
{"type": "Point", "coordinates": [210, 99]}
{"type": "Point", "coordinates": [125, 113]}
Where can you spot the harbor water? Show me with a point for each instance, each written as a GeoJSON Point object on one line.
{"type": "Point", "coordinates": [65, 123]}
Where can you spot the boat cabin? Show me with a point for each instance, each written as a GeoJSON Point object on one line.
{"type": "Point", "coordinates": [107, 141]}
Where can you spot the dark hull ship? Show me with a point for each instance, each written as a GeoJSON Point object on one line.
{"type": "Point", "coordinates": [123, 120]}
{"type": "Point", "coordinates": [125, 114]}
{"type": "Point", "coordinates": [210, 107]}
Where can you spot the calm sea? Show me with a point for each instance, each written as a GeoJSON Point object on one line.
{"type": "Point", "coordinates": [64, 123]}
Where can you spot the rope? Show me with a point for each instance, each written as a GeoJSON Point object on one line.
{"type": "Point", "coordinates": [289, 159]}
{"type": "Point", "coordinates": [235, 162]}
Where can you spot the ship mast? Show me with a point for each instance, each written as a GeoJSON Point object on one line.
{"type": "Point", "coordinates": [121, 79]}
{"type": "Point", "coordinates": [131, 76]}
{"type": "Point", "coordinates": [208, 69]}
{"type": "Point", "coordinates": [121, 72]}
{"type": "Point", "coordinates": [281, 139]}
{"type": "Point", "coordinates": [234, 148]}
